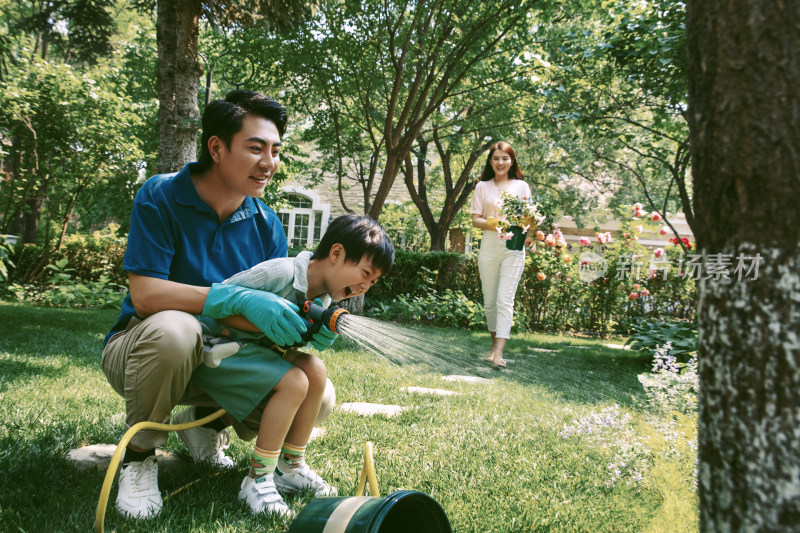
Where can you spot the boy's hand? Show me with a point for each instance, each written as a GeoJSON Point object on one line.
{"type": "Point", "coordinates": [322, 339]}
{"type": "Point", "coordinates": [274, 316]}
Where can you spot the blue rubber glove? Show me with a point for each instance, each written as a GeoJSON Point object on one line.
{"type": "Point", "coordinates": [322, 339]}
{"type": "Point", "coordinates": [274, 316]}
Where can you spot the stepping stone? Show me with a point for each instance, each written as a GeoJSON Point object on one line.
{"type": "Point", "coordinates": [466, 379]}
{"type": "Point", "coordinates": [617, 346]}
{"type": "Point", "coordinates": [542, 350]}
{"type": "Point", "coordinates": [99, 456]}
{"type": "Point", "coordinates": [370, 409]}
{"type": "Point", "coordinates": [424, 390]}
{"type": "Point", "coordinates": [317, 432]}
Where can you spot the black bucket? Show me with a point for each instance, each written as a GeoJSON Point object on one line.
{"type": "Point", "coordinates": [400, 512]}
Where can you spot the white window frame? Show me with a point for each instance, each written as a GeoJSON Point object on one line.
{"type": "Point", "coordinates": [318, 208]}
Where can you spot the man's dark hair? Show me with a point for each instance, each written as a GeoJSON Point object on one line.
{"type": "Point", "coordinates": [223, 118]}
{"type": "Point", "coordinates": [360, 236]}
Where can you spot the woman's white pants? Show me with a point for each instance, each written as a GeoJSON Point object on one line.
{"type": "Point", "coordinates": [500, 270]}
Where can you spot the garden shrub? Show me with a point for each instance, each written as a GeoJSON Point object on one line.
{"type": "Point", "coordinates": [91, 256]}
{"type": "Point", "coordinates": [680, 336]}
{"type": "Point", "coordinates": [64, 289]}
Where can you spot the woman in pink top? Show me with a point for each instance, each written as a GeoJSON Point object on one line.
{"type": "Point", "coordinates": [499, 267]}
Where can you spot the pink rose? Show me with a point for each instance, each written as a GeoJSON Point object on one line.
{"type": "Point", "coordinates": [663, 231]}
{"type": "Point", "coordinates": [633, 295]}
{"type": "Point", "coordinates": [645, 292]}
{"type": "Point", "coordinates": [585, 241]}
{"type": "Point", "coordinates": [636, 286]}
{"type": "Point", "coordinates": [658, 252]}
{"type": "Point", "coordinates": [656, 217]}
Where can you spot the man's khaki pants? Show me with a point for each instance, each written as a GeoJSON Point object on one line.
{"type": "Point", "coordinates": [150, 365]}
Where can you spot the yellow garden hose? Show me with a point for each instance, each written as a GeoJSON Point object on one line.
{"type": "Point", "coordinates": [102, 503]}
{"type": "Point", "coordinates": [368, 473]}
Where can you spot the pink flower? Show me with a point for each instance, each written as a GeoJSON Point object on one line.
{"type": "Point", "coordinates": [640, 229]}
{"type": "Point", "coordinates": [585, 241]}
{"type": "Point", "coordinates": [645, 292]}
{"type": "Point", "coordinates": [540, 235]}
{"type": "Point", "coordinates": [663, 231]}
{"type": "Point", "coordinates": [506, 236]}
{"type": "Point", "coordinates": [550, 240]}
{"type": "Point", "coordinates": [658, 252]}
{"type": "Point", "coordinates": [604, 238]}
{"type": "Point", "coordinates": [636, 286]}
{"type": "Point", "coordinates": [656, 217]}
{"type": "Point", "coordinates": [633, 295]}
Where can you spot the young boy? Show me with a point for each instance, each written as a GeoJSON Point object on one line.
{"type": "Point", "coordinates": [352, 255]}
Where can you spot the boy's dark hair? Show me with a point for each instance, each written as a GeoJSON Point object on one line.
{"type": "Point", "coordinates": [360, 236]}
{"type": "Point", "coordinates": [223, 118]}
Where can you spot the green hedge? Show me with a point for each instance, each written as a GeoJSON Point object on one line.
{"type": "Point", "coordinates": [90, 255]}
{"type": "Point", "coordinates": [441, 288]}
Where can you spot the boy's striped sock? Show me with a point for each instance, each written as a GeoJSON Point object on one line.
{"type": "Point", "coordinates": [291, 456]}
{"type": "Point", "coordinates": [262, 462]}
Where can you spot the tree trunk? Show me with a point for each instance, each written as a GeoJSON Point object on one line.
{"type": "Point", "coordinates": [744, 108]}
{"type": "Point", "coordinates": [390, 171]}
{"type": "Point", "coordinates": [178, 80]}
{"type": "Point", "coordinates": [30, 219]}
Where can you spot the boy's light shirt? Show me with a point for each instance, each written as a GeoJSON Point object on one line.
{"type": "Point", "coordinates": [285, 276]}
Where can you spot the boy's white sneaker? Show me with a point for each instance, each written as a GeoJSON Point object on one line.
{"type": "Point", "coordinates": [138, 495]}
{"type": "Point", "coordinates": [262, 496]}
{"type": "Point", "coordinates": [205, 444]}
{"type": "Point", "coordinates": [300, 479]}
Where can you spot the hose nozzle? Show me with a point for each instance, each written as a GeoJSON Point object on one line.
{"type": "Point", "coordinates": [318, 316]}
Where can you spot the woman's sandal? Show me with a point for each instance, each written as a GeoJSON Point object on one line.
{"type": "Point", "coordinates": [488, 359]}
{"type": "Point", "coordinates": [500, 365]}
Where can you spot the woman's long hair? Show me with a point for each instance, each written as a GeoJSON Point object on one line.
{"type": "Point", "coordinates": [513, 173]}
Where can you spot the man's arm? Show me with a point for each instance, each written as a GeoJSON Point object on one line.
{"type": "Point", "coordinates": [151, 295]}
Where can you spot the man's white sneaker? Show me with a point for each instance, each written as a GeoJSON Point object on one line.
{"type": "Point", "coordinates": [205, 444]}
{"type": "Point", "coordinates": [262, 496]}
{"type": "Point", "coordinates": [300, 479]}
{"type": "Point", "coordinates": [138, 495]}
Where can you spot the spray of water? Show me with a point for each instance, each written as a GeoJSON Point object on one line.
{"type": "Point", "coordinates": [409, 345]}
{"type": "Point", "coordinates": [581, 376]}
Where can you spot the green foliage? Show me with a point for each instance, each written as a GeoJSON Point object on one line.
{"type": "Point", "coordinates": [439, 271]}
{"type": "Point", "coordinates": [5, 257]}
{"type": "Point", "coordinates": [404, 227]}
{"type": "Point", "coordinates": [93, 255]}
{"type": "Point", "coordinates": [648, 335]}
{"type": "Point", "coordinates": [444, 288]}
{"type": "Point", "coordinates": [446, 308]}
{"type": "Point", "coordinates": [63, 289]}
{"type": "Point", "coordinates": [70, 132]}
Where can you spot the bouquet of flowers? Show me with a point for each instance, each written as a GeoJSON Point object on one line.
{"type": "Point", "coordinates": [517, 216]}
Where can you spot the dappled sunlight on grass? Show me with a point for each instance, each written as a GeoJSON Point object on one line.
{"type": "Point", "coordinates": [494, 455]}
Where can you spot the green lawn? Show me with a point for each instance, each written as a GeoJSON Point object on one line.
{"type": "Point", "coordinates": [496, 457]}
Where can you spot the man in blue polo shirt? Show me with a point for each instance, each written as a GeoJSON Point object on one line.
{"type": "Point", "coordinates": [189, 231]}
